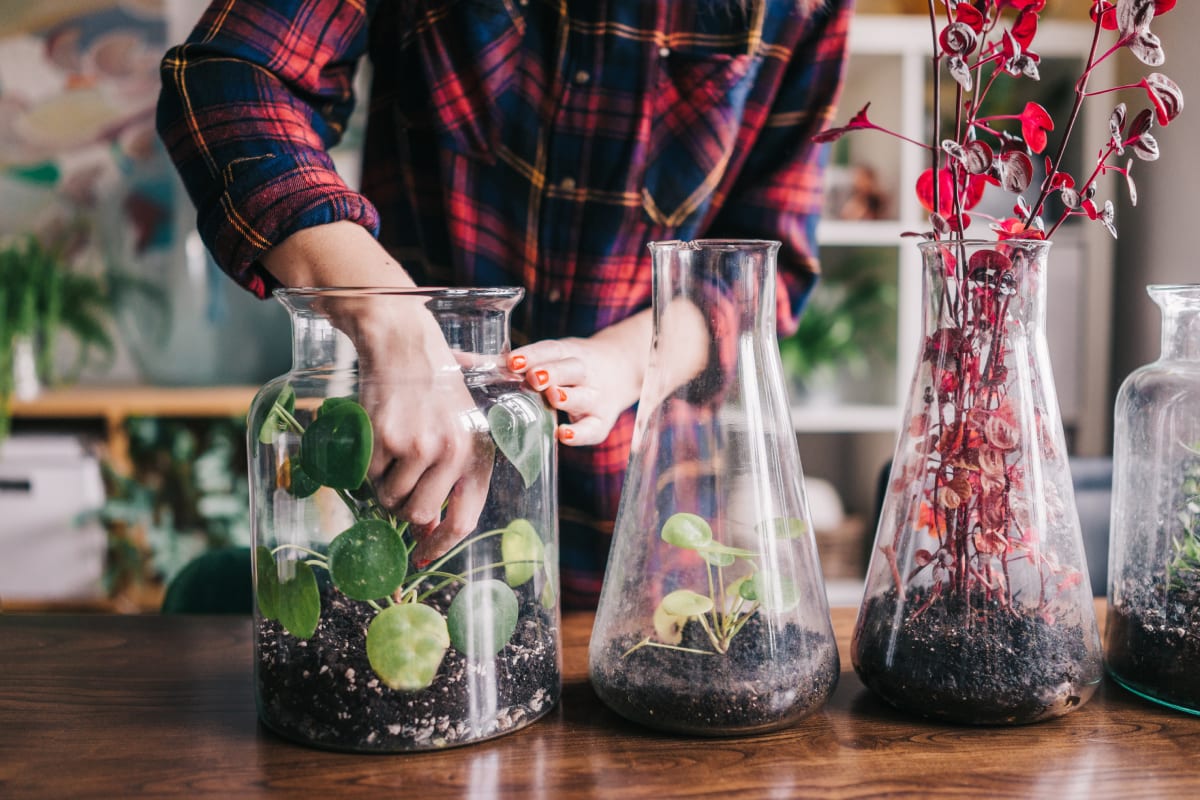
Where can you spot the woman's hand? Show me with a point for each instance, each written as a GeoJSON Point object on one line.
{"type": "Point", "coordinates": [432, 447]}
{"type": "Point", "coordinates": [593, 380]}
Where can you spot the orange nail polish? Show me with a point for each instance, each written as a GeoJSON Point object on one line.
{"type": "Point", "coordinates": [566, 434]}
{"type": "Point", "coordinates": [541, 378]}
{"type": "Point", "coordinates": [562, 396]}
{"type": "Point", "coordinates": [516, 362]}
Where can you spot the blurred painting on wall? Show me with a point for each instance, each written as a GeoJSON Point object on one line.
{"type": "Point", "coordinates": [81, 167]}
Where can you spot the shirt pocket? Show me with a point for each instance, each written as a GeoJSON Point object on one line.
{"type": "Point", "coordinates": [466, 61]}
{"type": "Point", "coordinates": [706, 70]}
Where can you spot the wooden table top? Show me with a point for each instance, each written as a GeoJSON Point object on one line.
{"type": "Point", "coordinates": [135, 706]}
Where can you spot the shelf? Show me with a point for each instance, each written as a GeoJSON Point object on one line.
{"type": "Point", "coordinates": [113, 405]}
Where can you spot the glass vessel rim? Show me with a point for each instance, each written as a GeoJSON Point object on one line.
{"type": "Point", "coordinates": [715, 244]}
{"type": "Point", "coordinates": [432, 292]}
{"type": "Point", "coordinates": [1027, 244]}
{"type": "Point", "coordinates": [1159, 289]}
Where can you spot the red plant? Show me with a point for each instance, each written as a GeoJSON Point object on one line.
{"type": "Point", "coordinates": [983, 41]}
{"type": "Point", "coordinates": [974, 432]}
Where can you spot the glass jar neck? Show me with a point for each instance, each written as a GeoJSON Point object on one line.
{"type": "Point", "coordinates": [324, 321]}
{"type": "Point", "coordinates": [1180, 305]}
{"type": "Point", "coordinates": [731, 281]}
{"type": "Point", "coordinates": [975, 284]}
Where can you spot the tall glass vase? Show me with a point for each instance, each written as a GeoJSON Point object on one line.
{"type": "Point", "coordinates": [363, 641]}
{"type": "Point", "coordinates": [1152, 639]}
{"type": "Point", "coordinates": [978, 606]}
{"type": "Point", "coordinates": [713, 618]}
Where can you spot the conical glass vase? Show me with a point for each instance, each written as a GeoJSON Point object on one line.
{"type": "Point", "coordinates": [713, 618]}
{"type": "Point", "coordinates": [364, 640]}
{"type": "Point", "coordinates": [1152, 639]}
{"type": "Point", "coordinates": [978, 606]}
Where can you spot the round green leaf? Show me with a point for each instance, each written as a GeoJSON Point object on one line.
{"type": "Point", "coordinates": [333, 402]}
{"type": "Point", "coordinates": [336, 449]}
{"type": "Point", "coordinates": [521, 549]}
{"type": "Point", "coordinates": [686, 530]}
{"type": "Point", "coordinates": [269, 416]}
{"type": "Point", "coordinates": [482, 618]}
{"type": "Point", "coordinates": [518, 425]}
{"type": "Point", "coordinates": [789, 528]}
{"type": "Point", "coordinates": [718, 558]}
{"type": "Point", "coordinates": [300, 602]}
{"type": "Point", "coordinates": [668, 627]}
{"type": "Point", "coordinates": [266, 582]}
{"type": "Point", "coordinates": [685, 603]}
{"type": "Point", "coordinates": [776, 593]}
{"type": "Point", "coordinates": [368, 560]}
{"type": "Point", "coordinates": [300, 485]}
{"type": "Point", "coordinates": [406, 644]}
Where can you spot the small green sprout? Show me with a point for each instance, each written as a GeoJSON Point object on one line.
{"type": "Point", "coordinates": [726, 607]}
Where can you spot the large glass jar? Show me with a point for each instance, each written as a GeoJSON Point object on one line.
{"type": "Point", "coordinates": [713, 618]}
{"type": "Point", "coordinates": [371, 633]}
{"type": "Point", "coordinates": [1152, 639]}
{"type": "Point", "coordinates": [978, 607]}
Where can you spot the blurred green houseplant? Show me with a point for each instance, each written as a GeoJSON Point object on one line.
{"type": "Point", "coordinates": [845, 322]}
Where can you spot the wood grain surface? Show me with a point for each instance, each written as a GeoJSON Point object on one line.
{"type": "Point", "coordinates": [148, 706]}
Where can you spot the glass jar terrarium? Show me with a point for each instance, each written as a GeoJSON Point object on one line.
{"type": "Point", "coordinates": [713, 618]}
{"type": "Point", "coordinates": [371, 633]}
{"type": "Point", "coordinates": [1152, 639]}
{"type": "Point", "coordinates": [978, 606]}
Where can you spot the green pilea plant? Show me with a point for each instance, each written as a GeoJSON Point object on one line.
{"type": "Point", "coordinates": [724, 608]}
{"type": "Point", "coordinates": [370, 560]}
{"type": "Point", "coordinates": [1184, 570]}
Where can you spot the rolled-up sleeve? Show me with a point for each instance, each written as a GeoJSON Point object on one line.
{"type": "Point", "coordinates": [779, 190]}
{"type": "Point", "coordinates": [249, 106]}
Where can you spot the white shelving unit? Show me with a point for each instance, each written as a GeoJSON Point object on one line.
{"type": "Point", "coordinates": [889, 67]}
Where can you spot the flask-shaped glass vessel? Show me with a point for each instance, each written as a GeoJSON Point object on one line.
{"type": "Point", "coordinates": [978, 606]}
{"type": "Point", "coordinates": [371, 633]}
{"type": "Point", "coordinates": [1152, 639]}
{"type": "Point", "coordinates": [713, 618]}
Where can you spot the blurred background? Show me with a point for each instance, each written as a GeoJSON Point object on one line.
{"type": "Point", "coordinates": [125, 454]}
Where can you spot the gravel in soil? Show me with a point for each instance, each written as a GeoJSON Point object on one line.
{"type": "Point", "coordinates": [322, 691]}
{"type": "Point", "coordinates": [1152, 641]}
{"type": "Point", "coordinates": [982, 665]}
{"type": "Point", "coordinates": [762, 683]}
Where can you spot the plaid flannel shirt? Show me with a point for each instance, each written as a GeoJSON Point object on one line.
{"type": "Point", "coordinates": [537, 143]}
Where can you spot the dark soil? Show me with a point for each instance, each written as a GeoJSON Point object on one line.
{"type": "Point", "coordinates": [759, 685]}
{"type": "Point", "coordinates": [982, 666]}
{"type": "Point", "coordinates": [1153, 642]}
{"type": "Point", "coordinates": [323, 692]}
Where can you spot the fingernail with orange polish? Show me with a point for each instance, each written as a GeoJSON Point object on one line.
{"type": "Point", "coordinates": [566, 434]}
{"type": "Point", "coordinates": [541, 378]}
{"type": "Point", "coordinates": [562, 396]}
{"type": "Point", "coordinates": [516, 362]}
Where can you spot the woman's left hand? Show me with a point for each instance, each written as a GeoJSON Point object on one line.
{"type": "Point", "coordinates": [591, 380]}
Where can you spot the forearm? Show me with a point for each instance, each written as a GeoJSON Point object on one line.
{"type": "Point", "coordinates": [336, 254]}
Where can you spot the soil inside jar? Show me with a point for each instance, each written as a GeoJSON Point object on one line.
{"type": "Point", "coordinates": [1153, 639]}
{"type": "Point", "coordinates": [322, 691]}
{"type": "Point", "coordinates": [760, 684]}
{"type": "Point", "coordinates": [980, 665]}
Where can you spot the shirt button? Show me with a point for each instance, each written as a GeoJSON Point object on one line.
{"type": "Point", "coordinates": [554, 295]}
{"type": "Point", "coordinates": [567, 184]}
{"type": "Point", "coordinates": [582, 77]}
{"type": "Point", "coordinates": [664, 51]}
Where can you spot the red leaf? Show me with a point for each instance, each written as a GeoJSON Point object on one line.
{"type": "Point", "coordinates": [970, 16]}
{"type": "Point", "coordinates": [1035, 122]}
{"type": "Point", "coordinates": [1025, 27]}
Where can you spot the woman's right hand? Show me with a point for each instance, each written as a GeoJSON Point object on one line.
{"type": "Point", "coordinates": [432, 447]}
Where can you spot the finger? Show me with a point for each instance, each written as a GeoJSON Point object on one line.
{"type": "Point", "coordinates": [542, 352]}
{"type": "Point", "coordinates": [465, 504]}
{"type": "Point", "coordinates": [583, 432]}
{"type": "Point", "coordinates": [424, 503]}
{"type": "Point", "coordinates": [564, 372]}
{"type": "Point", "coordinates": [576, 401]}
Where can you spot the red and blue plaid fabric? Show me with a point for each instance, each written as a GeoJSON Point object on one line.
{"type": "Point", "coordinates": [537, 143]}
